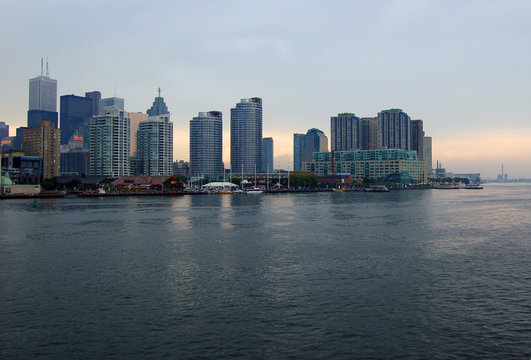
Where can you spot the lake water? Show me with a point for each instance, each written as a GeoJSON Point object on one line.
{"type": "Point", "coordinates": [405, 274]}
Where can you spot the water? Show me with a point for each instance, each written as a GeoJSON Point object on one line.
{"type": "Point", "coordinates": [405, 274]}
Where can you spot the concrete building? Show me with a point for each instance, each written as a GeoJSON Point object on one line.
{"type": "Point", "coordinates": [74, 111]}
{"type": "Point", "coordinates": [298, 148]}
{"type": "Point", "coordinates": [136, 118]}
{"type": "Point", "coordinates": [362, 164]}
{"type": "Point", "coordinates": [112, 101]}
{"type": "Point", "coordinates": [426, 151]}
{"type": "Point", "coordinates": [43, 142]}
{"type": "Point", "coordinates": [394, 130]}
{"type": "Point", "coordinates": [268, 162]}
{"type": "Point", "coordinates": [370, 133]}
{"type": "Point", "coordinates": [154, 145]}
{"type": "Point", "coordinates": [246, 136]}
{"type": "Point", "coordinates": [43, 92]}
{"type": "Point", "coordinates": [345, 132]}
{"type": "Point", "coordinates": [109, 143]}
{"type": "Point", "coordinates": [417, 137]}
{"type": "Point", "coordinates": [206, 144]}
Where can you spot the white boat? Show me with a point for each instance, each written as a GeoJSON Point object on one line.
{"type": "Point", "coordinates": [254, 190]}
{"type": "Point", "coordinates": [473, 186]}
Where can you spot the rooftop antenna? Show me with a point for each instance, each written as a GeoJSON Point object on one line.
{"type": "Point", "coordinates": [42, 66]}
{"type": "Point", "coordinates": [47, 73]}
{"type": "Point", "coordinates": [159, 91]}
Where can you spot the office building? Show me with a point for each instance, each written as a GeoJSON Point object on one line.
{"type": "Point", "coordinates": [4, 130]}
{"type": "Point", "coordinates": [361, 164]}
{"type": "Point", "coordinates": [159, 107]}
{"type": "Point", "coordinates": [43, 142]}
{"type": "Point", "coordinates": [394, 129]}
{"type": "Point", "coordinates": [109, 143]}
{"type": "Point", "coordinates": [112, 101]}
{"type": "Point", "coordinates": [298, 148]}
{"type": "Point", "coordinates": [154, 145]}
{"type": "Point", "coordinates": [136, 118]}
{"type": "Point", "coordinates": [95, 96]}
{"type": "Point", "coordinates": [246, 136]}
{"type": "Point", "coordinates": [43, 92]}
{"type": "Point", "coordinates": [345, 132]}
{"type": "Point", "coordinates": [417, 137]}
{"type": "Point", "coordinates": [74, 111]}
{"type": "Point", "coordinates": [268, 162]}
{"type": "Point", "coordinates": [35, 117]}
{"type": "Point", "coordinates": [74, 157]}
{"type": "Point", "coordinates": [314, 141]}
{"type": "Point", "coordinates": [181, 168]}
{"type": "Point", "coordinates": [370, 133]}
{"type": "Point", "coordinates": [426, 150]}
{"type": "Point", "coordinates": [206, 144]}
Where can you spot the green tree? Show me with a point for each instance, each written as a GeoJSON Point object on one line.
{"type": "Point", "coordinates": [73, 183]}
{"type": "Point", "coordinates": [50, 183]}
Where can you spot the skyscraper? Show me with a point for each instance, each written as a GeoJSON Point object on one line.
{"type": "Point", "coordinates": [314, 141]}
{"type": "Point", "coordinates": [43, 141]}
{"type": "Point", "coordinates": [394, 129]}
{"type": "Point", "coordinates": [35, 117]}
{"type": "Point", "coordinates": [246, 136]}
{"type": "Point", "coordinates": [4, 130]}
{"type": "Point", "coordinates": [95, 96]}
{"type": "Point", "coordinates": [426, 149]}
{"type": "Point", "coordinates": [268, 164]}
{"type": "Point", "coordinates": [298, 148]}
{"type": "Point", "coordinates": [159, 107]}
{"type": "Point", "coordinates": [370, 133]}
{"type": "Point", "coordinates": [74, 111]}
{"type": "Point", "coordinates": [136, 119]}
{"type": "Point", "coordinates": [154, 145]}
{"type": "Point", "coordinates": [112, 101]}
{"type": "Point", "coordinates": [206, 144]}
{"type": "Point", "coordinates": [43, 92]}
{"type": "Point", "coordinates": [417, 137]}
{"type": "Point", "coordinates": [109, 143]}
{"type": "Point", "coordinates": [345, 132]}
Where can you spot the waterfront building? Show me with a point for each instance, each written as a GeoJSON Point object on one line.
{"type": "Point", "coordinates": [246, 136]}
{"type": "Point", "coordinates": [109, 140]}
{"type": "Point", "coordinates": [112, 101]}
{"type": "Point", "coordinates": [268, 164]}
{"type": "Point", "coordinates": [21, 169]}
{"type": "Point", "coordinates": [43, 142]}
{"type": "Point", "coordinates": [43, 92]}
{"type": "Point", "coordinates": [206, 144]}
{"type": "Point", "coordinates": [159, 107]}
{"type": "Point", "coordinates": [74, 111]}
{"type": "Point", "coordinates": [426, 150]}
{"type": "Point", "coordinates": [417, 137]}
{"type": "Point", "coordinates": [394, 129]}
{"type": "Point", "coordinates": [362, 164]}
{"type": "Point", "coordinates": [136, 118]}
{"type": "Point", "coordinates": [4, 130]}
{"type": "Point", "coordinates": [345, 132]}
{"type": "Point", "coordinates": [314, 141]}
{"type": "Point", "coordinates": [95, 96]}
{"type": "Point", "coordinates": [154, 145]}
{"type": "Point", "coordinates": [370, 133]}
{"type": "Point", "coordinates": [298, 148]}
{"type": "Point", "coordinates": [74, 157]}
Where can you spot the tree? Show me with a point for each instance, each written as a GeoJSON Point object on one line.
{"type": "Point", "coordinates": [50, 183]}
{"type": "Point", "coordinates": [73, 183]}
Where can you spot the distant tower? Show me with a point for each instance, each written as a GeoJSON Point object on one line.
{"type": "Point", "coordinates": [206, 144]}
{"type": "Point", "coordinates": [427, 155]}
{"type": "Point", "coordinates": [394, 129]}
{"type": "Point", "coordinates": [268, 164]}
{"type": "Point", "coordinates": [298, 148]}
{"type": "Point", "coordinates": [43, 141]}
{"type": "Point", "coordinates": [345, 132]}
{"type": "Point", "coordinates": [74, 111]}
{"type": "Point", "coordinates": [370, 133]}
{"type": "Point", "coordinates": [314, 141]}
{"type": "Point", "coordinates": [417, 137]}
{"type": "Point", "coordinates": [159, 107]}
{"type": "Point", "coordinates": [246, 136]}
{"type": "Point", "coordinates": [112, 101]}
{"type": "Point", "coordinates": [42, 99]}
{"type": "Point", "coordinates": [95, 96]}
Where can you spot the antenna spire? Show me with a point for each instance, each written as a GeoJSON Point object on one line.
{"type": "Point", "coordinates": [47, 72]}
{"type": "Point", "coordinates": [42, 66]}
{"type": "Point", "coordinates": [159, 91]}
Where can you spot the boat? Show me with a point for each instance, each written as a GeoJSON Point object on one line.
{"type": "Point", "coordinates": [446, 186]}
{"type": "Point", "coordinates": [254, 190]}
{"type": "Point", "coordinates": [338, 189]}
{"type": "Point", "coordinates": [378, 188]}
{"type": "Point", "coordinates": [225, 192]}
{"type": "Point", "coordinates": [473, 186]}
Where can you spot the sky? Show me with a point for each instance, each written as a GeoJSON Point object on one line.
{"type": "Point", "coordinates": [463, 67]}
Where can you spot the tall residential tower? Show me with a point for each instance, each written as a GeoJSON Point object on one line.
{"type": "Point", "coordinates": [246, 136]}
{"type": "Point", "coordinates": [206, 144]}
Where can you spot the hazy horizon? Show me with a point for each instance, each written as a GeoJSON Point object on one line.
{"type": "Point", "coordinates": [461, 67]}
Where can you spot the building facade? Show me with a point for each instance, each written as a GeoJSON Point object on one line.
{"type": "Point", "coordinates": [43, 92]}
{"type": "Point", "coordinates": [159, 107]}
{"type": "Point", "coordinates": [246, 136]}
{"type": "Point", "coordinates": [362, 164]}
{"type": "Point", "coordinates": [112, 101]}
{"type": "Point", "coordinates": [43, 142]}
{"type": "Point", "coordinates": [298, 148]}
{"type": "Point", "coordinates": [394, 130]}
{"type": "Point", "coordinates": [268, 160]}
{"type": "Point", "coordinates": [345, 132]}
{"type": "Point", "coordinates": [95, 96]}
{"type": "Point", "coordinates": [74, 111]}
{"type": "Point", "coordinates": [206, 144]}
{"type": "Point", "coordinates": [35, 117]}
{"type": "Point", "coordinates": [136, 119]}
{"type": "Point", "coordinates": [4, 130]}
{"type": "Point", "coordinates": [154, 145]}
{"type": "Point", "coordinates": [370, 133]}
{"type": "Point", "coordinates": [426, 149]}
{"type": "Point", "coordinates": [417, 137]}
{"type": "Point", "coordinates": [314, 141]}
{"type": "Point", "coordinates": [109, 143]}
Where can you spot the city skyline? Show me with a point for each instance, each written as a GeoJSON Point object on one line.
{"type": "Point", "coordinates": [461, 68]}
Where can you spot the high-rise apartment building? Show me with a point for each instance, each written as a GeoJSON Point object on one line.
{"type": "Point", "coordinates": [246, 136]}
{"type": "Point", "coordinates": [417, 137]}
{"type": "Point", "coordinates": [95, 96]}
{"type": "Point", "coordinates": [112, 101]}
{"type": "Point", "coordinates": [426, 150]}
{"type": "Point", "coordinates": [298, 148]}
{"type": "Point", "coordinates": [159, 107]}
{"type": "Point", "coordinates": [314, 141]}
{"type": "Point", "coordinates": [74, 111]}
{"type": "Point", "coordinates": [154, 145]}
{"type": "Point", "coordinates": [345, 132]}
{"type": "Point", "coordinates": [394, 129]}
{"type": "Point", "coordinates": [109, 139]}
{"type": "Point", "coordinates": [4, 130]}
{"type": "Point", "coordinates": [43, 92]}
{"type": "Point", "coordinates": [370, 133]}
{"type": "Point", "coordinates": [43, 141]}
{"type": "Point", "coordinates": [268, 164]}
{"type": "Point", "coordinates": [136, 118]}
{"type": "Point", "coordinates": [206, 144]}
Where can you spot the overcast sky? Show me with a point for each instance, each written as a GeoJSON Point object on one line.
{"type": "Point", "coordinates": [464, 67]}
